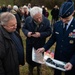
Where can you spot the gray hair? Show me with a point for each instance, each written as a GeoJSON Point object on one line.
{"type": "Point", "coordinates": [35, 10]}
{"type": "Point", "coordinates": [15, 7]}
{"type": "Point", "coordinates": [5, 17]}
{"type": "Point", "coordinates": [25, 7]}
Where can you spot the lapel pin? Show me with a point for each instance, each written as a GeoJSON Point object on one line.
{"type": "Point", "coordinates": [71, 41]}
{"type": "Point", "coordinates": [71, 25]}
{"type": "Point", "coordinates": [74, 30]}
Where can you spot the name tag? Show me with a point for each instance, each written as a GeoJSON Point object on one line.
{"type": "Point", "coordinates": [57, 32]}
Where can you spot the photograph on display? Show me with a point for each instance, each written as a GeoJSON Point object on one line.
{"type": "Point", "coordinates": [47, 59]}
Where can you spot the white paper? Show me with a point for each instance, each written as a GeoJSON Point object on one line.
{"type": "Point", "coordinates": [39, 58]}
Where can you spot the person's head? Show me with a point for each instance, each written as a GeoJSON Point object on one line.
{"type": "Point", "coordinates": [25, 8]}
{"type": "Point", "coordinates": [66, 19]}
{"type": "Point", "coordinates": [56, 6]}
{"type": "Point", "coordinates": [8, 21]}
{"type": "Point", "coordinates": [43, 6]}
{"type": "Point", "coordinates": [36, 14]}
{"type": "Point", "coordinates": [66, 11]}
{"type": "Point", "coordinates": [9, 6]}
{"type": "Point", "coordinates": [29, 5]}
{"type": "Point", "coordinates": [15, 7]}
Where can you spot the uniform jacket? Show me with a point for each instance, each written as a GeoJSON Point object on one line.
{"type": "Point", "coordinates": [65, 44]}
{"type": "Point", "coordinates": [9, 64]}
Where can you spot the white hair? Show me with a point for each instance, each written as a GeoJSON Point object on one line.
{"type": "Point", "coordinates": [15, 7]}
{"type": "Point", "coordinates": [25, 7]}
{"type": "Point", "coordinates": [35, 10]}
{"type": "Point", "coordinates": [9, 6]}
{"type": "Point", "coordinates": [6, 17]}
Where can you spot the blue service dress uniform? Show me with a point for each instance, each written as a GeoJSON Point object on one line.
{"type": "Point", "coordinates": [65, 44]}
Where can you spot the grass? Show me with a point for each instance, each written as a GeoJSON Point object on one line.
{"type": "Point", "coordinates": [49, 17]}
{"type": "Point", "coordinates": [6, 2]}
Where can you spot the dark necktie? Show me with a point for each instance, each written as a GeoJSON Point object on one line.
{"type": "Point", "coordinates": [64, 29]}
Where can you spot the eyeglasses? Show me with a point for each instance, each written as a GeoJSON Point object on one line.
{"type": "Point", "coordinates": [53, 63]}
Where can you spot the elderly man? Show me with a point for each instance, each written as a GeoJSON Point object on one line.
{"type": "Point", "coordinates": [11, 48]}
{"type": "Point", "coordinates": [36, 29]}
{"type": "Point", "coordinates": [64, 36]}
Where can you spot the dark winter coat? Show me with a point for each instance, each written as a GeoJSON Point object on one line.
{"type": "Point", "coordinates": [9, 64]}
{"type": "Point", "coordinates": [44, 29]}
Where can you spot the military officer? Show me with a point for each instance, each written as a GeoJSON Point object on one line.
{"type": "Point", "coordinates": [65, 39]}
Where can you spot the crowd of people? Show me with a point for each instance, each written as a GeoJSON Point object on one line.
{"type": "Point", "coordinates": [36, 27]}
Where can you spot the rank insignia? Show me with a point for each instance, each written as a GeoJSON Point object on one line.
{"type": "Point", "coordinates": [72, 34]}
{"type": "Point", "coordinates": [71, 41]}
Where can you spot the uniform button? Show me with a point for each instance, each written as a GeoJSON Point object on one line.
{"type": "Point", "coordinates": [62, 40]}
{"type": "Point", "coordinates": [61, 46]}
{"type": "Point", "coordinates": [60, 51]}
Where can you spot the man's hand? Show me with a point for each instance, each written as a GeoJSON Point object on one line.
{"type": "Point", "coordinates": [40, 50]}
{"type": "Point", "coordinates": [68, 66]}
{"type": "Point", "coordinates": [29, 34]}
{"type": "Point", "coordinates": [36, 35]}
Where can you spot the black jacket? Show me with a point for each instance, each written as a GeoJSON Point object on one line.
{"type": "Point", "coordinates": [44, 30]}
{"type": "Point", "coordinates": [9, 64]}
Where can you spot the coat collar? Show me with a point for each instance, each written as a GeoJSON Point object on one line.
{"type": "Point", "coordinates": [5, 33]}
{"type": "Point", "coordinates": [32, 20]}
{"type": "Point", "coordinates": [32, 25]}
